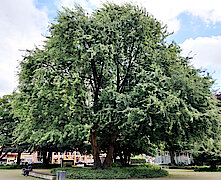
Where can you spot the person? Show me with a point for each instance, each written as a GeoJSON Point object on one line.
{"type": "Point", "coordinates": [27, 169]}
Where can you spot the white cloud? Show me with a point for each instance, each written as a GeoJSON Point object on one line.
{"type": "Point", "coordinates": [22, 25]}
{"type": "Point", "coordinates": [165, 10]}
{"type": "Point", "coordinates": [206, 51]}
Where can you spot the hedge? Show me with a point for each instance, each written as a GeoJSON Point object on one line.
{"type": "Point", "coordinates": [113, 173]}
{"type": "Point", "coordinates": [134, 160]}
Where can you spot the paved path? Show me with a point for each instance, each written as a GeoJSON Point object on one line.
{"type": "Point", "coordinates": [190, 175]}
{"type": "Point", "coordinates": [14, 174]}
{"type": "Point", "coordinates": [174, 174]}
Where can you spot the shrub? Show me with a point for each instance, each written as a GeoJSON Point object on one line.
{"type": "Point", "coordinates": [116, 164]}
{"type": "Point", "coordinates": [206, 169]}
{"type": "Point", "coordinates": [113, 173]}
{"type": "Point", "coordinates": [135, 160]}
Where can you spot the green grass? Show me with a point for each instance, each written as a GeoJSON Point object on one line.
{"type": "Point", "coordinates": [197, 168]}
{"type": "Point", "coordinates": [207, 169]}
{"type": "Point", "coordinates": [12, 167]}
{"type": "Point", "coordinates": [34, 166]}
{"type": "Point", "coordinates": [113, 173]}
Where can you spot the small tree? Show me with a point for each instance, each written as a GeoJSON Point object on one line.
{"type": "Point", "coordinates": [209, 149]}
{"type": "Point", "coordinates": [7, 126]}
{"type": "Point", "coordinates": [193, 114]}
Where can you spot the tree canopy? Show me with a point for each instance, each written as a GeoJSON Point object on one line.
{"type": "Point", "coordinates": [111, 79]}
{"type": "Point", "coordinates": [209, 148]}
{"type": "Point", "coordinates": [7, 126]}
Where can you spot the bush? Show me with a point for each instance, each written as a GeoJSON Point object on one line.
{"type": "Point", "coordinates": [116, 164]}
{"type": "Point", "coordinates": [135, 160]}
{"type": "Point", "coordinates": [146, 165]}
{"type": "Point", "coordinates": [206, 169]}
{"type": "Point", "coordinates": [182, 167]}
{"type": "Point", "coordinates": [148, 173]}
{"type": "Point", "coordinates": [113, 173]}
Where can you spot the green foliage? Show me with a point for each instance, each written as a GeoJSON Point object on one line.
{"type": "Point", "coordinates": [135, 160]}
{"type": "Point", "coordinates": [12, 167]}
{"type": "Point", "coordinates": [184, 167]}
{"type": "Point", "coordinates": [7, 122]}
{"type": "Point", "coordinates": [7, 125]}
{"type": "Point", "coordinates": [206, 169]}
{"type": "Point", "coordinates": [110, 78]}
{"type": "Point", "coordinates": [116, 164]}
{"type": "Point", "coordinates": [208, 150]}
{"type": "Point", "coordinates": [113, 173]}
{"type": "Point", "coordinates": [46, 114]}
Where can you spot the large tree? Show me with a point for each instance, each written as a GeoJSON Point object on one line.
{"type": "Point", "coordinates": [109, 78]}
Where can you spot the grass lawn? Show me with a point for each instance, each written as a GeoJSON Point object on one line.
{"type": "Point", "coordinates": [16, 174]}
{"type": "Point", "coordinates": [13, 174]}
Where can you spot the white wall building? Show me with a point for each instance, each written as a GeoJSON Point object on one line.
{"type": "Point", "coordinates": [181, 158]}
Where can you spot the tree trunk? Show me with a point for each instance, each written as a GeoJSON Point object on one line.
{"type": "Point", "coordinates": [19, 158]}
{"type": "Point", "coordinates": [45, 160]}
{"type": "Point", "coordinates": [115, 157]}
{"type": "Point", "coordinates": [123, 159]}
{"type": "Point", "coordinates": [127, 158]}
{"type": "Point", "coordinates": [108, 159]}
{"type": "Point", "coordinates": [172, 158]}
{"type": "Point", "coordinates": [213, 165]}
{"type": "Point", "coordinates": [49, 157]}
{"type": "Point", "coordinates": [95, 150]}
{"type": "Point", "coordinates": [110, 153]}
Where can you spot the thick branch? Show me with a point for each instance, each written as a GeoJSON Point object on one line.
{"type": "Point", "coordinates": [101, 75]}
{"type": "Point", "coordinates": [132, 58]}
{"type": "Point", "coordinates": [94, 71]}
{"type": "Point", "coordinates": [118, 78]}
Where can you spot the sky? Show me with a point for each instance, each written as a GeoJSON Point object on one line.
{"type": "Point", "coordinates": [195, 24]}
